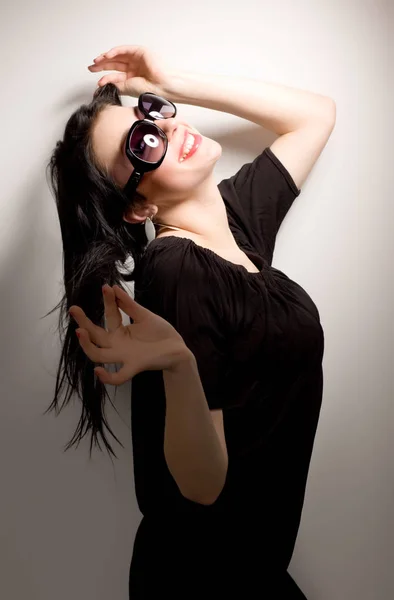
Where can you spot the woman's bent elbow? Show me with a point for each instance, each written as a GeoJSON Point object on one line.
{"type": "Point", "coordinates": [209, 500]}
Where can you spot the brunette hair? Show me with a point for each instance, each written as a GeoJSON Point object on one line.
{"type": "Point", "coordinates": [98, 246]}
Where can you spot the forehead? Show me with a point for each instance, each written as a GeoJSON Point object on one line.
{"type": "Point", "coordinates": [112, 122]}
{"type": "Point", "coordinates": [116, 116]}
{"type": "Point", "coordinates": [109, 134]}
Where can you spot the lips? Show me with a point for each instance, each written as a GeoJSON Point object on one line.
{"type": "Point", "coordinates": [185, 136]}
{"type": "Point", "coordinates": [196, 145]}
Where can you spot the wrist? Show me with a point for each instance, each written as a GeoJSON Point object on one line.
{"type": "Point", "coordinates": [202, 89]}
{"type": "Point", "coordinates": [181, 358]}
{"type": "Point", "coordinates": [179, 87]}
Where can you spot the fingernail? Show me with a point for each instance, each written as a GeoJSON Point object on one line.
{"type": "Point", "coordinates": [78, 334]}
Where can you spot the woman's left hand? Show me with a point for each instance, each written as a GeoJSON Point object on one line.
{"type": "Point", "coordinates": [150, 344]}
{"type": "Point", "coordinates": [138, 70]}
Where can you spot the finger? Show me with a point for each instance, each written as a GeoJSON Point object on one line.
{"type": "Point", "coordinates": [134, 310]}
{"type": "Point", "coordinates": [98, 355]}
{"type": "Point", "coordinates": [128, 50]}
{"type": "Point", "coordinates": [97, 334]}
{"type": "Point", "coordinates": [104, 57]}
{"type": "Point", "coordinates": [113, 317]}
{"type": "Point", "coordinates": [120, 58]}
{"type": "Point", "coordinates": [109, 66]}
{"type": "Point", "coordinates": [120, 53]}
{"type": "Point", "coordinates": [115, 78]}
{"type": "Point", "coordinates": [125, 57]}
{"type": "Point", "coordinates": [118, 378]}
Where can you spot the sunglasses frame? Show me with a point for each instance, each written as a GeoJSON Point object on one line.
{"type": "Point", "coordinates": [140, 166]}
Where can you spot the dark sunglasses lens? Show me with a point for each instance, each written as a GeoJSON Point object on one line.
{"type": "Point", "coordinates": [148, 143]}
{"type": "Point", "coordinates": [157, 107]}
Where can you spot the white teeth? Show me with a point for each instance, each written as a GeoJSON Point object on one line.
{"type": "Point", "coordinates": [188, 146]}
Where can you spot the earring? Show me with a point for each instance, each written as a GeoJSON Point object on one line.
{"type": "Point", "coordinates": [150, 230]}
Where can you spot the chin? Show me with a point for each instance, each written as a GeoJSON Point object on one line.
{"type": "Point", "coordinates": [218, 149]}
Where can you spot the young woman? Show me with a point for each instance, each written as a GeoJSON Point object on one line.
{"type": "Point", "coordinates": [224, 351]}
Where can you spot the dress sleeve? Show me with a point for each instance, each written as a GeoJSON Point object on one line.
{"type": "Point", "coordinates": [258, 198]}
{"type": "Point", "coordinates": [185, 293]}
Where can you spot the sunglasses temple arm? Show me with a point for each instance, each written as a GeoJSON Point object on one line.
{"type": "Point", "coordinates": [132, 184]}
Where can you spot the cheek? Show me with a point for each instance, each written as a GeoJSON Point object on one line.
{"type": "Point", "coordinates": [122, 173]}
{"type": "Point", "coordinates": [175, 175]}
{"type": "Point", "coordinates": [168, 174]}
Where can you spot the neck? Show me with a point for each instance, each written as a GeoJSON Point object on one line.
{"type": "Point", "coordinates": [202, 217]}
{"type": "Point", "coordinates": [167, 226]}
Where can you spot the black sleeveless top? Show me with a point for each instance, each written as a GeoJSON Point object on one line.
{"type": "Point", "coordinates": [259, 346]}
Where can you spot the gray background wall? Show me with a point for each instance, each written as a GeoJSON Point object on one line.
{"type": "Point", "coordinates": [67, 524]}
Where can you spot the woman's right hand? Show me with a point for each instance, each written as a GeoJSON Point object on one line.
{"type": "Point", "coordinates": [149, 344]}
{"type": "Point", "coordinates": [139, 70]}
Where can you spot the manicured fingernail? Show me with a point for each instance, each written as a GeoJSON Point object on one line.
{"type": "Point", "coordinates": [78, 334]}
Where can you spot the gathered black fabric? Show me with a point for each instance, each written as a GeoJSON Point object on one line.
{"type": "Point", "coordinates": [259, 346]}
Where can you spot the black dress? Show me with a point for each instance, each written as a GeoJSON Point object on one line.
{"type": "Point", "coordinates": [259, 346]}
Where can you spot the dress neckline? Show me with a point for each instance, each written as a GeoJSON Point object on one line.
{"type": "Point", "coordinates": [253, 256]}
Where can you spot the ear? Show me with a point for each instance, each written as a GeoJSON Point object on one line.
{"type": "Point", "coordinates": [138, 214]}
{"type": "Point", "coordinates": [131, 217]}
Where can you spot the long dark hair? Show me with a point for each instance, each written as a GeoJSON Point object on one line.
{"type": "Point", "coordinates": [96, 242]}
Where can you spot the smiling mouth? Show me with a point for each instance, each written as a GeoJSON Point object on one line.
{"type": "Point", "coordinates": [187, 151]}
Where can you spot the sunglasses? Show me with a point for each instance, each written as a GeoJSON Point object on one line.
{"type": "Point", "coordinates": [146, 142]}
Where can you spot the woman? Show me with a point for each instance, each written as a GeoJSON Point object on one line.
{"type": "Point", "coordinates": [224, 351]}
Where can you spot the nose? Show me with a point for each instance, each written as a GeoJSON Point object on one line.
{"type": "Point", "coordinates": [168, 126]}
